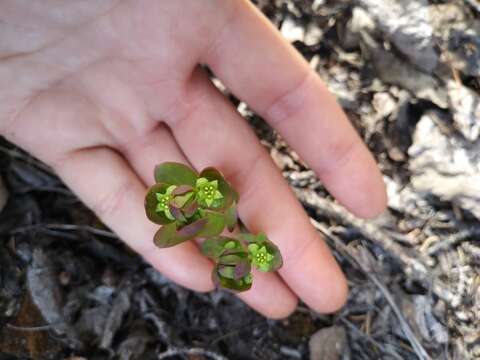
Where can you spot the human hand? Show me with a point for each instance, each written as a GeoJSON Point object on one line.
{"type": "Point", "coordinates": [104, 90]}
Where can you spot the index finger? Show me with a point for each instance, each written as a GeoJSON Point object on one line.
{"type": "Point", "coordinates": [261, 68]}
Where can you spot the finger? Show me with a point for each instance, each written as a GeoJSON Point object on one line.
{"type": "Point", "coordinates": [269, 296]}
{"type": "Point", "coordinates": [103, 180]}
{"type": "Point", "coordinates": [159, 146]}
{"type": "Point", "coordinates": [151, 149]}
{"type": "Point", "coordinates": [214, 134]}
{"type": "Point", "coordinates": [275, 81]}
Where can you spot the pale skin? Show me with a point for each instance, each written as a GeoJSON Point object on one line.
{"type": "Point", "coordinates": [102, 91]}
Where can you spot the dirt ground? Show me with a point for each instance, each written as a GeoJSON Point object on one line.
{"type": "Point", "coordinates": [407, 74]}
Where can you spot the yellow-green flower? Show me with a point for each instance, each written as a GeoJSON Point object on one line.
{"type": "Point", "coordinates": [164, 200]}
{"type": "Point", "coordinates": [261, 258]}
{"type": "Point", "coordinates": [207, 192]}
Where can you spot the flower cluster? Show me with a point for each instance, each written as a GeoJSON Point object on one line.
{"type": "Point", "coordinates": [191, 205]}
{"type": "Point", "coordinates": [235, 257]}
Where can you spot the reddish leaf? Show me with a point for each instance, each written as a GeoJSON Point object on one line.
{"type": "Point", "coordinates": [242, 269]}
{"type": "Point", "coordinates": [182, 189]}
{"type": "Point", "coordinates": [176, 212]}
{"type": "Point", "coordinates": [168, 235]}
{"type": "Point", "coordinates": [193, 229]}
{"type": "Point", "coordinates": [164, 237]}
{"type": "Point", "coordinates": [190, 208]}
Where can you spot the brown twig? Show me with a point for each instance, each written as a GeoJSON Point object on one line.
{"type": "Point", "coordinates": [407, 330]}
{"type": "Point", "coordinates": [415, 268]}
{"type": "Point", "coordinates": [370, 339]}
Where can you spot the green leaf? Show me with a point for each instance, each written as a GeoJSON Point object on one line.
{"type": "Point", "coordinates": [253, 248]}
{"type": "Point", "coordinates": [163, 237]}
{"type": "Point", "coordinates": [215, 224]}
{"type": "Point", "coordinates": [259, 239]}
{"type": "Point", "coordinates": [215, 246]}
{"type": "Point", "coordinates": [230, 245]}
{"type": "Point", "coordinates": [233, 258]}
{"type": "Point", "coordinates": [234, 266]}
{"type": "Point", "coordinates": [168, 235]}
{"type": "Point", "coordinates": [226, 271]}
{"type": "Point", "coordinates": [239, 285]}
{"type": "Point", "coordinates": [151, 204]}
{"type": "Point", "coordinates": [230, 196]}
{"type": "Point", "coordinates": [231, 217]}
{"type": "Point", "coordinates": [277, 261]}
{"type": "Point", "coordinates": [175, 174]}
{"type": "Point", "coordinates": [201, 181]}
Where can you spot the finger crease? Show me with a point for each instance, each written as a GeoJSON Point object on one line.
{"type": "Point", "coordinates": [341, 155]}
{"type": "Point", "coordinates": [292, 259]}
{"type": "Point", "coordinates": [211, 53]}
{"type": "Point", "coordinates": [288, 103]}
{"type": "Point", "coordinates": [242, 176]}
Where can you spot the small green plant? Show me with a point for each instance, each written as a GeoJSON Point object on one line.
{"type": "Point", "coordinates": [202, 205]}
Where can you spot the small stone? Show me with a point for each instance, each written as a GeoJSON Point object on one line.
{"type": "Point", "coordinates": [396, 154]}
{"type": "Point", "coordinates": [328, 343]}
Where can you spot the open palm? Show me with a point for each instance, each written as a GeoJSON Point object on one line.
{"type": "Point", "coordinates": [104, 90]}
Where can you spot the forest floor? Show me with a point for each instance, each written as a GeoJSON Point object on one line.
{"type": "Point", "coordinates": [407, 74]}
